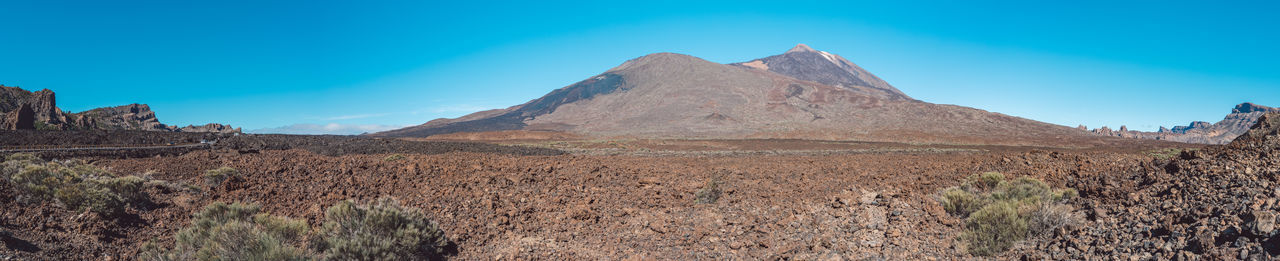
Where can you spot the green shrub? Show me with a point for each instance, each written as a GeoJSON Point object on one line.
{"type": "Point", "coordinates": [994, 228]}
{"type": "Point", "coordinates": [983, 182]}
{"type": "Point", "coordinates": [40, 125]}
{"type": "Point", "coordinates": [128, 187]}
{"type": "Point", "coordinates": [75, 185]}
{"type": "Point", "coordinates": [235, 231]}
{"type": "Point", "coordinates": [960, 202]}
{"type": "Point", "coordinates": [215, 177]}
{"type": "Point", "coordinates": [1023, 188]}
{"type": "Point", "coordinates": [84, 196]}
{"type": "Point", "coordinates": [15, 162]}
{"type": "Point", "coordinates": [999, 213]}
{"type": "Point", "coordinates": [709, 193]}
{"type": "Point", "coordinates": [382, 230]}
{"type": "Point", "coordinates": [393, 157]}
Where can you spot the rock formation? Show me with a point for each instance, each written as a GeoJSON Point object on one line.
{"type": "Point", "coordinates": [22, 109]}
{"type": "Point", "coordinates": [1241, 118]}
{"type": "Point", "coordinates": [22, 118]}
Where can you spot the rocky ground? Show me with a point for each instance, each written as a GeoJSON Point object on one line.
{"type": "Point", "coordinates": [1218, 203]}
{"type": "Point", "coordinates": [1209, 203]}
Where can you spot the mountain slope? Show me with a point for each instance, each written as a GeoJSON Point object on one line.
{"type": "Point", "coordinates": [804, 63]}
{"type": "Point", "coordinates": [668, 95]}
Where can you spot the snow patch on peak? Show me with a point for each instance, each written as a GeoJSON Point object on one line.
{"type": "Point", "coordinates": [830, 57]}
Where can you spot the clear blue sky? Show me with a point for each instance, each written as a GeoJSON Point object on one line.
{"type": "Point", "coordinates": [348, 64]}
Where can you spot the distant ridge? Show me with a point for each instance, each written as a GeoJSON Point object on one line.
{"type": "Point", "coordinates": [1242, 117]}
{"type": "Point", "coordinates": [22, 109]}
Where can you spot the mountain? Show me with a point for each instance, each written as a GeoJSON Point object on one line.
{"type": "Point", "coordinates": [1242, 117]}
{"type": "Point", "coordinates": [803, 93]}
{"type": "Point", "coordinates": [804, 63]}
{"type": "Point", "coordinates": [22, 109]}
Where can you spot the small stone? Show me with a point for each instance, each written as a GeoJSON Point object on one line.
{"type": "Point", "coordinates": [869, 198]}
{"type": "Point", "coordinates": [1264, 222]}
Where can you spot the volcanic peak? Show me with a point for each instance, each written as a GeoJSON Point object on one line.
{"type": "Point", "coordinates": [801, 48]}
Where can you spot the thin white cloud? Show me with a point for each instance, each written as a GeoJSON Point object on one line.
{"type": "Point", "coordinates": [356, 116]}
{"type": "Point", "coordinates": [331, 128]}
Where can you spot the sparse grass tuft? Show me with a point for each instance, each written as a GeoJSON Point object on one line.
{"type": "Point", "coordinates": [709, 193]}
{"type": "Point", "coordinates": [1165, 154]}
{"type": "Point", "coordinates": [999, 213]}
{"type": "Point", "coordinates": [215, 177]}
{"type": "Point", "coordinates": [393, 157]}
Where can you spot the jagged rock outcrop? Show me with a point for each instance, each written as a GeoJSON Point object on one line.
{"type": "Point", "coordinates": [1263, 136]}
{"type": "Point", "coordinates": [1194, 125]}
{"type": "Point", "coordinates": [211, 127]}
{"type": "Point", "coordinates": [22, 118]}
{"type": "Point", "coordinates": [22, 109]}
{"type": "Point", "coordinates": [41, 103]}
{"type": "Point", "coordinates": [1241, 118]}
{"type": "Point", "coordinates": [127, 117]}
{"type": "Point", "coordinates": [1215, 203]}
{"type": "Point", "coordinates": [46, 108]}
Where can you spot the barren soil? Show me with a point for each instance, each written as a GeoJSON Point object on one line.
{"type": "Point", "coordinates": [867, 200]}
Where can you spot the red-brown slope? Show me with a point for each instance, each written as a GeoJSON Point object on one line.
{"type": "Point", "coordinates": [668, 95]}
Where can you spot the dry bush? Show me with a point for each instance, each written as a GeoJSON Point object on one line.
{"type": "Point", "coordinates": [215, 177]}
{"type": "Point", "coordinates": [73, 184]}
{"type": "Point", "coordinates": [1050, 218]}
{"type": "Point", "coordinates": [1024, 188]}
{"type": "Point", "coordinates": [235, 231]}
{"type": "Point", "coordinates": [982, 182]}
{"type": "Point", "coordinates": [999, 213]}
{"type": "Point", "coordinates": [709, 193]}
{"type": "Point", "coordinates": [393, 157]}
{"type": "Point", "coordinates": [381, 230]}
{"type": "Point", "coordinates": [994, 228]}
{"type": "Point", "coordinates": [16, 162]}
{"type": "Point", "coordinates": [960, 202]}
